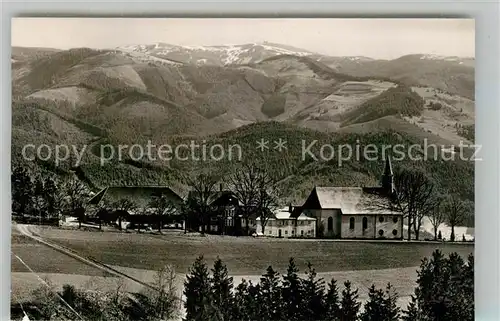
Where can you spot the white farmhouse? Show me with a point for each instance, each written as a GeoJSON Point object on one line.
{"type": "Point", "coordinates": [283, 224]}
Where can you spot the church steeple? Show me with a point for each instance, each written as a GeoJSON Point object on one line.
{"type": "Point", "coordinates": [388, 176]}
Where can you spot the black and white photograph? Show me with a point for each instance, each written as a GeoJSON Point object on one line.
{"type": "Point", "coordinates": [243, 169]}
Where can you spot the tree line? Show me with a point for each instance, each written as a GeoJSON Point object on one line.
{"type": "Point", "coordinates": [255, 189]}
{"type": "Point", "coordinates": [417, 196]}
{"type": "Point", "coordinates": [45, 197]}
{"type": "Point", "coordinates": [444, 291]}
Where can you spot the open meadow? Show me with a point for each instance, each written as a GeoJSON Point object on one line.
{"type": "Point", "coordinates": [243, 255]}
{"type": "Point", "coordinates": [139, 255]}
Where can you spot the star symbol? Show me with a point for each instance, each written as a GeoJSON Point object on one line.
{"type": "Point", "coordinates": [280, 144]}
{"type": "Point", "coordinates": [262, 144]}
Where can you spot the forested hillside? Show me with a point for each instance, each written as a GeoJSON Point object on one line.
{"type": "Point", "coordinates": [90, 98]}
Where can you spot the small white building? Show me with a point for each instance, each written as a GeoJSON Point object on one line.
{"type": "Point", "coordinates": [284, 224]}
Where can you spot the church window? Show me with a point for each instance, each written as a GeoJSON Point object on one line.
{"type": "Point", "coordinates": [351, 223]}
{"type": "Point", "coordinates": [365, 223]}
{"type": "Point", "coordinates": [381, 232]}
{"type": "Point", "coordinates": [394, 232]}
{"type": "Point", "coordinates": [330, 223]}
{"type": "Point", "coordinates": [381, 219]}
{"type": "Point", "coordinates": [395, 219]}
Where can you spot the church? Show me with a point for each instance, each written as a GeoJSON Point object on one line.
{"type": "Point", "coordinates": [356, 212]}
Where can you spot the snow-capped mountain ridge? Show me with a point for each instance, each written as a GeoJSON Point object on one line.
{"type": "Point", "coordinates": [460, 60]}
{"type": "Point", "coordinates": [254, 52]}
{"type": "Point", "coordinates": [438, 57]}
{"type": "Point", "coordinates": [219, 55]}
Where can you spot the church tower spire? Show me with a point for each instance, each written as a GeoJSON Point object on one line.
{"type": "Point", "coordinates": [388, 176]}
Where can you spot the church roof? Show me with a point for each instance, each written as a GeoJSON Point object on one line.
{"type": "Point", "coordinates": [354, 200]}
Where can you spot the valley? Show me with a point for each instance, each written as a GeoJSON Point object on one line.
{"type": "Point", "coordinates": [238, 94]}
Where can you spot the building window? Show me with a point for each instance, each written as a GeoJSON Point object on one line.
{"type": "Point", "coordinates": [286, 232]}
{"type": "Point", "coordinates": [330, 223]}
{"type": "Point", "coordinates": [381, 219]}
{"type": "Point", "coordinates": [365, 223]}
{"type": "Point", "coordinates": [394, 232]}
{"type": "Point", "coordinates": [293, 232]}
{"type": "Point", "coordinates": [395, 219]}
{"type": "Point", "coordinates": [302, 233]}
{"type": "Point", "coordinates": [270, 232]}
{"type": "Point", "coordinates": [351, 223]}
{"type": "Point", "coordinates": [381, 232]}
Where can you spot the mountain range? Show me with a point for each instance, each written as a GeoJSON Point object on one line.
{"type": "Point", "coordinates": [163, 93]}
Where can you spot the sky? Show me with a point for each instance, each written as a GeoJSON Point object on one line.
{"type": "Point", "coordinates": [375, 38]}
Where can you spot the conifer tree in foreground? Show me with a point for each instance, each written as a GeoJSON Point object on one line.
{"type": "Point", "coordinates": [332, 302]}
{"type": "Point", "coordinates": [375, 308]}
{"type": "Point", "coordinates": [244, 305]}
{"type": "Point", "coordinates": [253, 301]}
{"type": "Point", "coordinates": [412, 313]}
{"type": "Point", "coordinates": [349, 304]}
{"type": "Point", "coordinates": [445, 289]}
{"type": "Point", "coordinates": [221, 290]}
{"type": "Point", "coordinates": [381, 305]}
{"type": "Point", "coordinates": [314, 295]}
{"type": "Point", "coordinates": [270, 301]}
{"type": "Point", "coordinates": [292, 292]}
{"type": "Point", "coordinates": [197, 292]}
{"type": "Point", "coordinates": [393, 311]}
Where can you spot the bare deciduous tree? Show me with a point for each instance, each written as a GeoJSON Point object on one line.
{"type": "Point", "coordinates": [456, 212]}
{"type": "Point", "coordinates": [245, 186]}
{"type": "Point", "coordinates": [202, 192]}
{"type": "Point", "coordinates": [123, 207]}
{"type": "Point", "coordinates": [102, 211]}
{"type": "Point", "coordinates": [162, 206]}
{"type": "Point", "coordinates": [256, 191]}
{"type": "Point", "coordinates": [413, 197]}
{"type": "Point", "coordinates": [164, 300]}
{"type": "Point", "coordinates": [437, 215]}
{"type": "Point", "coordinates": [268, 201]}
{"type": "Point", "coordinates": [76, 198]}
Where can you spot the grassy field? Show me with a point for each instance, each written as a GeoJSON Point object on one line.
{"type": "Point", "coordinates": [43, 259]}
{"type": "Point", "coordinates": [46, 264]}
{"type": "Point", "coordinates": [138, 255]}
{"type": "Point", "coordinates": [243, 256]}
